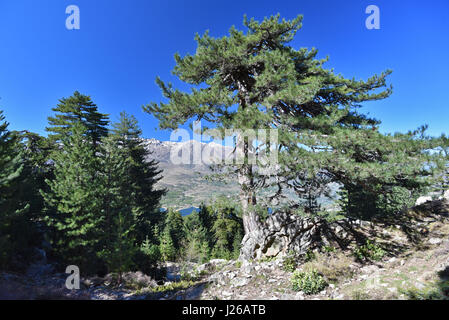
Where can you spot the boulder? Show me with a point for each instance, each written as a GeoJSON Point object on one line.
{"type": "Point", "coordinates": [218, 261]}
{"type": "Point", "coordinates": [422, 200]}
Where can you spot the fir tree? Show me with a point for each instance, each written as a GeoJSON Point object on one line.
{"type": "Point", "coordinates": [199, 240]}
{"type": "Point", "coordinates": [74, 200]}
{"type": "Point", "coordinates": [77, 108]}
{"type": "Point", "coordinates": [167, 247]}
{"type": "Point", "coordinates": [144, 175]}
{"type": "Point", "coordinates": [227, 229]}
{"type": "Point", "coordinates": [10, 159]}
{"type": "Point", "coordinates": [172, 236]}
{"type": "Point", "coordinates": [215, 231]}
{"type": "Point", "coordinates": [119, 223]}
{"type": "Point", "coordinates": [12, 206]}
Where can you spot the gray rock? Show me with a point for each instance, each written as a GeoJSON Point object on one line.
{"type": "Point", "coordinates": [218, 261]}
{"type": "Point", "coordinates": [422, 200]}
{"type": "Point", "coordinates": [299, 296]}
{"type": "Point", "coordinates": [240, 282]}
{"type": "Point", "coordinates": [435, 241]}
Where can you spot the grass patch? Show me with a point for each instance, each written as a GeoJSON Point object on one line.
{"type": "Point", "coordinates": [173, 286]}
{"type": "Point", "coordinates": [333, 266]}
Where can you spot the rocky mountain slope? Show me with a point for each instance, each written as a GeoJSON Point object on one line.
{"type": "Point", "coordinates": [186, 183]}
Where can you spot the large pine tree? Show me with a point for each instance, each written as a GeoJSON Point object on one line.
{"type": "Point", "coordinates": [256, 80]}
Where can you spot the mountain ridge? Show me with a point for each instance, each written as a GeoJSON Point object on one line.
{"type": "Point", "coordinates": [185, 183]}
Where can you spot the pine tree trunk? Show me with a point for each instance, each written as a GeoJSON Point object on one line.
{"type": "Point", "coordinates": [251, 221]}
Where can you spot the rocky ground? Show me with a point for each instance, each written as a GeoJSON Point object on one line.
{"type": "Point", "coordinates": [415, 274]}
{"type": "Point", "coordinates": [413, 264]}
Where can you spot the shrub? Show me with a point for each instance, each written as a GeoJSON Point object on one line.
{"type": "Point", "coordinates": [173, 286]}
{"type": "Point", "coordinates": [329, 249]}
{"type": "Point", "coordinates": [369, 251]}
{"type": "Point", "coordinates": [310, 282]}
{"type": "Point", "coordinates": [309, 256]}
{"type": "Point", "coordinates": [432, 291]}
{"type": "Point", "coordinates": [187, 274]}
{"type": "Point", "coordinates": [289, 264]}
{"type": "Point", "coordinates": [267, 259]}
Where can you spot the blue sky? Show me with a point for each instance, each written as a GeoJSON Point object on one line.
{"type": "Point", "coordinates": [123, 45]}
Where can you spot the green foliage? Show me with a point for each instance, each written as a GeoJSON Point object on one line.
{"type": "Point", "coordinates": [118, 253]}
{"type": "Point", "coordinates": [328, 249]}
{"type": "Point", "coordinates": [151, 251]}
{"type": "Point", "coordinates": [267, 259]}
{"type": "Point", "coordinates": [146, 257]}
{"type": "Point", "coordinates": [167, 247]}
{"type": "Point", "coordinates": [308, 282]}
{"type": "Point", "coordinates": [97, 191]}
{"type": "Point", "coordinates": [369, 251]}
{"type": "Point", "coordinates": [216, 231]}
{"type": "Point", "coordinates": [78, 108]}
{"type": "Point", "coordinates": [290, 264]}
{"type": "Point", "coordinates": [227, 230]}
{"type": "Point", "coordinates": [119, 223]}
{"type": "Point", "coordinates": [309, 255]}
{"type": "Point", "coordinates": [101, 203]}
{"type": "Point", "coordinates": [74, 201]}
{"type": "Point", "coordinates": [322, 135]}
{"type": "Point", "coordinates": [14, 207]}
{"type": "Point", "coordinates": [430, 292]}
{"type": "Point", "coordinates": [379, 201]}
{"type": "Point", "coordinates": [143, 175]}
{"type": "Point", "coordinates": [441, 183]}
{"type": "Point", "coordinates": [172, 237]}
{"type": "Point", "coordinates": [174, 286]}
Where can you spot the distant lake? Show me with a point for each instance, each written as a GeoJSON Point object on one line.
{"type": "Point", "coordinates": [186, 211]}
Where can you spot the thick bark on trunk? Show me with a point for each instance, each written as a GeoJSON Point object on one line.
{"type": "Point", "coordinates": [251, 221]}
